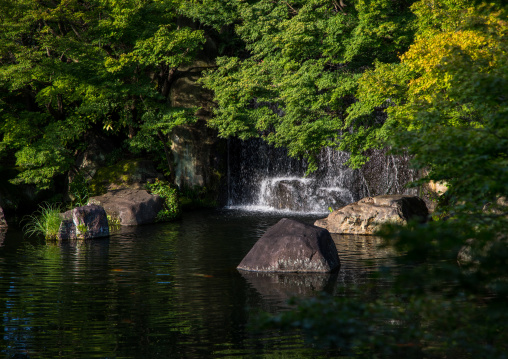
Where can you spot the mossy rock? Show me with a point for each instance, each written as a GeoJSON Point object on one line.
{"type": "Point", "coordinates": [131, 173]}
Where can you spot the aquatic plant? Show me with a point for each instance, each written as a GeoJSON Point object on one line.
{"type": "Point", "coordinates": [45, 221]}
{"type": "Point", "coordinates": [113, 222]}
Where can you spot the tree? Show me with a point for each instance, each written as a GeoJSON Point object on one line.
{"type": "Point", "coordinates": [299, 79]}
{"type": "Point", "coordinates": [72, 66]}
{"type": "Point", "coordinates": [446, 104]}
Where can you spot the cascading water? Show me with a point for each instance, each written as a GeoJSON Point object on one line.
{"type": "Point", "coordinates": [261, 177]}
{"type": "Point", "coordinates": [264, 178]}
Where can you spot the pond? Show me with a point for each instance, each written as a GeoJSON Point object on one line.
{"type": "Point", "coordinates": [160, 291]}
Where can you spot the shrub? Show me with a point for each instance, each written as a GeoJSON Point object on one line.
{"type": "Point", "coordinates": [45, 221]}
{"type": "Point", "coordinates": [171, 208]}
{"type": "Point", "coordinates": [79, 189]}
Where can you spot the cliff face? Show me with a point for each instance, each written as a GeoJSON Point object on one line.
{"type": "Point", "coordinates": [198, 154]}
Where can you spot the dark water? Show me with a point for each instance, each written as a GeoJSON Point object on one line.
{"type": "Point", "coordinates": [159, 291]}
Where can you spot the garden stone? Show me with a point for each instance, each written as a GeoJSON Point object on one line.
{"type": "Point", "coordinates": [84, 222]}
{"type": "Point", "coordinates": [292, 246]}
{"type": "Point", "coordinates": [366, 215]}
{"type": "Point", "coordinates": [131, 207]}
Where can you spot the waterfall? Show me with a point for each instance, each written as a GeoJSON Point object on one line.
{"type": "Point", "coordinates": [264, 178]}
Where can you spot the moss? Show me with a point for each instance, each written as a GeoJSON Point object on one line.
{"type": "Point", "coordinates": [119, 175]}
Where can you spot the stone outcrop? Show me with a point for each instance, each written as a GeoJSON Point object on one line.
{"type": "Point", "coordinates": [84, 222]}
{"type": "Point", "coordinates": [93, 157]}
{"type": "Point", "coordinates": [125, 174]}
{"type": "Point", "coordinates": [131, 207]}
{"type": "Point", "coordinates": [292, 246]}
{"type": "Point", "coordinates": [196, 152]}
{"type": "Point", "coordinates": [303, 194]}
{"type": "Point", "coordinates": [366, 215]}
{"type": "Point", "coordinates": [3, 222]}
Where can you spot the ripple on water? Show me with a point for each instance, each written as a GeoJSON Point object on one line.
{"type": "Point", "coordinates": [158, 291]}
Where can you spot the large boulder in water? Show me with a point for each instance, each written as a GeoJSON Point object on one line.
{"type": "Point", "coordinates": [131, 207]}
{"type": "Point", "coordinates": [292, 246]}
{"type": "Point", "coordinates": [84, 222]}
{"type": "Point", "coordinates": [366, 215]}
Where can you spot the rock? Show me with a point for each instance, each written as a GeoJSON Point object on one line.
{"type": "Point", "coordinates": [125, 174]}
{"type": "Point", "coordinates": [366, 215]}
{"type": "Point", "coordinates": [3, 222]}
{"type": "Point", "coordinates": [93, 157]}
{"type": "Point", "coordinates": [84, 222]}
{"type": "Point", "coordinates": [196, 152]}
{"type": "Point", "coordinates": [67, 230]}
{"type": "Point", "coordinates": [196, 149]}
{"type": "Point", "coordinates": [386, 173]}
{"type": "Point", "coordinates": [499, 207]}
{"type": "Point", "coordinates": [302, 194]}
{"type": "Point", "coordinates": [292, 246]}
{"type": "Point", "coordinates": [131, 207]}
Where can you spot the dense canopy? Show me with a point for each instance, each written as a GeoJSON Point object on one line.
{"type": "Point", "coordinates": [424, 77]}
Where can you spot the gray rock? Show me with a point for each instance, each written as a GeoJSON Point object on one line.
{"type": "Point", "coordinates": [303, 194]}
{"type": "Point", "coordinates": [366, 215]}
{"type": "Point", "coordinates": [292, 246]}
{"type": "Point", "coordinates": [67, 230]}
{"type": "Point", "coordinates": [131, 207]}
{"type": "Point", "coordinates": [3, 222]}
{"type": "Point", "coordinates": [84, 222]}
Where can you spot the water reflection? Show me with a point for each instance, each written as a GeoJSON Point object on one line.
{"type": "Point", "coordinates": [361, 257]}
{"type": "Point", "coordinates": [278, 288]}
{"type": "Point", "coordinates": [158, 291]}
{"type": "Point", "coordinates": [3, 232]}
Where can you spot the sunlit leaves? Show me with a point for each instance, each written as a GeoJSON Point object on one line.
{"type": "Point", "coordinates": [75, 64]}
{"type": "Point", "coordinates": [305, 60]}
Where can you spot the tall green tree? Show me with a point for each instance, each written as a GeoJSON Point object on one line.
{"type": "Point", "coordinates": [69, 66]}
{"type": "Point", "coordinates": [446, 105]}
{"type": "Point", "coordinates": [301, 71]}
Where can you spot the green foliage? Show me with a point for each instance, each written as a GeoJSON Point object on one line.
{"type": "Point", "coordinates": [113, 223]}
{"type": "Point", "coordinates": [69, 67]}
{"type": "Point", "coordinates": [446, 106]}
{"type": "Point", "coordinates": [79, 190]}
{"type": "Point", "coordinates": [295, 88]}
{"type": "Point", "coordinates": [171, 202]}
{"type": "Point", "coordinates": [45, 221]}
{"type": "Point", "coordinates": [82, 229]}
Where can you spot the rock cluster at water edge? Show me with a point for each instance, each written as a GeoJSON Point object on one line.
{"type": "Point", "coordinates": [366, 215]}
{"type": "Point", "coordinates": [131, 207]}
{"type": "Point", "coordinates": [84, 222]}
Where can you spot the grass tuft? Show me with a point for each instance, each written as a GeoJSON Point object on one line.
{"type": "Point", "coordinates": [45, 221]}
